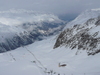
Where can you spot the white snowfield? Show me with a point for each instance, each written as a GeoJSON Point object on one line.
{"type": "Point", "coordinates": [40, 58]}
{"type": "Point", "coordinates": [84, 16]}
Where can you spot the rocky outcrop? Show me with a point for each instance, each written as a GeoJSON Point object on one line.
{"type": "Point", "coordinates": [82, 36]}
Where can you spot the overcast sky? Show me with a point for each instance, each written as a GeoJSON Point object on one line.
{"type": "Point", "coordinates": [53, 6]}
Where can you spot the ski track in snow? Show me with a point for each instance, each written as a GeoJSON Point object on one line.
{"type": "Point", "coordinates": [40, 58]}
{"type": "Point", "coordinates": [22, 62]}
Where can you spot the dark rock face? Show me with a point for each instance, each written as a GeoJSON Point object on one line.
{"type": "Point", "coordinates": [30, 36]}
{"type": "Point", "coordinates": [98, 21]}
{"type": "Point", "coordinates": [81, 37]}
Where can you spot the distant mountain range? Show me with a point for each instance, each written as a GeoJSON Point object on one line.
{"type": "Point", "coordinates": [23, 27]}
{"type": "Point", "coordinates": [76, 48]}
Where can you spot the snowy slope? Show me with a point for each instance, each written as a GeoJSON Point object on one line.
{"type": "Point", "coordinates": [40, 58]}
{"type": "Point", "coordinates": [23, 27]}
{"type": "Point", "coordinates": [84, 36]}
{"type": "Point", "coordinates": [84, 16]}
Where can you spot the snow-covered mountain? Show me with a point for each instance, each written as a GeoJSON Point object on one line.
{"type": "Point", "coordinates": [23, 27]}
{"type": "Point", "coordinates": [84, 16]}
{"type": "Point", "coordinates": [40, 58]}
{"type": "Point", "coordinates": [84, 34]}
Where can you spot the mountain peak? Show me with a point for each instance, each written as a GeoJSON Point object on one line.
{"type": "Point", "coordinates": [18, 16]}
{"type": "Point", "coordinates": [84, 16]}
{"type": "Point", "coordinates": [84, 34]}
{"type": "Point", "coordinates": [22, 27]}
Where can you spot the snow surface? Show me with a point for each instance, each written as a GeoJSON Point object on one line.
{"type": "Point", "coordinates": [40, 56]}
{"type": "Point", "coordinates": [84, 16]}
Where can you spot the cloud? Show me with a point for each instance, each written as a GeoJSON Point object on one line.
{"type": "Point", "coordinates": [53, 6]}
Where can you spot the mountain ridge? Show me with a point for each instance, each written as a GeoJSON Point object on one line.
{"type": "Point", "coordinates": [84, 36]}
{"type": "Point", "coordinates": [22, 27]}
{"type": "Point", "coordinates": [84, 16]}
